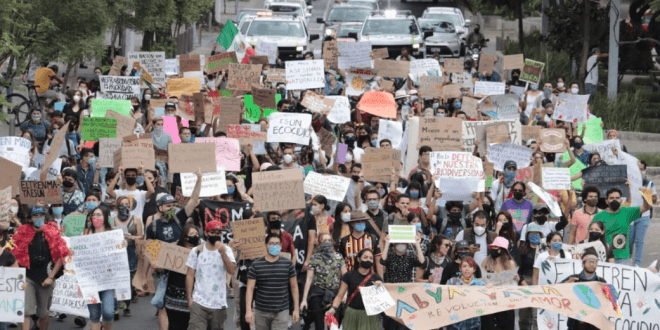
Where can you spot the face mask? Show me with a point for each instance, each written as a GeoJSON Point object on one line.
{"type": "Point", "coordinates": [91, 205]}
{"type": "Point", "coordinates": [534, 87]}
{"type": "Point", "coordinates": [435, 105]}
{"type": "Point", "coordinates": [38, 222]}
{"type": "Point", "coordinates": [373, 204]}
{"type": "Point", "coordinates": [591, 202]}
{"type": "Point", "coordinates": [287, 159]}
{"type": "Point", "coordinates": [169, 214]}
{"type": "Point", "coordinates": [91, 161]}
{"type": "Point", "coordinates": [194, 240]}
{"type": "Point", "coordinates": [213, 239]}
{"type": "Point", "coordinates": [541, 219]}
{"type": "Point", "coordinates": [518, 195]}
{"type": "Point", "coordinates": [14, 209]}
{"type": "Point", "coordinates": [556, 246]}
{"type": "Point", "coordinates": [96, 76]}
{"type": "Point", "coordinates": [401, 248]}
{"type": "Point", "coordinates": [349, 158]}
{"type": "Point", "coordinates": [123, 212]}
{"type": "Point", "coordinates": [418, 226]}
{"type": "Point", "coordinates": [55, 131]}
{"type": "Point", "coordinates": [97, 222]}
{"type": "Point", "coordinates": [594, 236]}
{"type": "Point", "coordinates": [514, 78]}
{"type": "Point", "coordinates": [147, 97]}
{"type": "Point", "coordinates": [326, 247]}
{"type": "Point", "coordinates": [231, 190]}
{"type": "Point", "coordinates": [381, 192]}
{"type": "Point", "coordinates": [355, 178]}
{"type": "Point", "coordinates": [316, 210]}
{"type": "Point", "coordinates": [185, 139]}
{"type": "Point", "coordinates": [35, 118]}
{"type": "Point", "coordinates": [578, 145]}
{"type": "Point", "coordinates": [505, 226]}
{"type": "Point", "coordinates": [614, 205]}
{"type": "Point", "coordinates": [547, 92]}
{"type": "Point", "coordinates": [456, 216]}
{"type": "Point", "coordinates": [136, 107]}
{"type": "Point", "coordinates": [575, 90]}
{"type": "Point", "coordinates": [274, 250]}
{"type": "Point", "coordinates": [440, 115]}
{"type": "Point", "coordinates": [158, 129]}
{"type": "Point", "coordinates": [374, 143]}
{"type": "Point", "coordinates": [57, 211]}
{"type": "Point", "coordinates": [495, 253]}
{"type": "Point", "coordinates": [457, 105]}
{"type": "Point", "coordinates": [366, 264]}
{"type": "Point", "coordinates": [346, 217]}
{"type": "Point", "coordinates": [131, 181]}
{"type": "Point", "coordinates": [479, 231]}
{"type": "Point", "coordinates": [360, 227]}
{"type": "Point", "coordinates": [414, 194]}
{"type": "Point", "coordinates": [275, 224]}
{"type": "Point", "coordinates": [476, 30]}
{"type": "Point", "coordinates": [67, 184]}
{"type": "Point", "coordinates": [535, 239]}
{"type": "Point", "coordinates": [462, 255]}
{"type": "Point", "coordinates": [509, 177]}
{"type": "Point", "coordinates": [560, 85]}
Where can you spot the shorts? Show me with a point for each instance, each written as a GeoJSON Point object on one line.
{"type": "Point", "coordinates": [38, 299]}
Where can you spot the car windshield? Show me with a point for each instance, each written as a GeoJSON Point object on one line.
{"type": "Point", "coordinates": [289, 10]}
{"type": "Point", "coordinates": [344, 30]}
{"type": "Point", "coordinates": [276, 29]}
{"type": "Point", "coordinates": [245, 25]}
{"type": "Point", "coordinates": [348, 14]}
{"type": "Point", "coordinates": [437, 26]}
{"type": "Point", "coordinates": [445, 17]}
{"type": "Point", "coordinates": [390, 27]}
{"type": "Point", "coordinates": [371, 4]}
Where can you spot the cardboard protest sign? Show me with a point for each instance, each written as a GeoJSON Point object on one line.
{"type": "Point", "coordinates": [268, 49]}
{"type": "Point", "coordinates": [173, 257]}
{"type": "Point", "coordinates": [333, 187]}
{"type": "Point", "coordinates": [441, 133]}
{"type": "Point", "coordinates": [647, 194]}
{"type": "Point", "coordinates": [498, 154]}
{"type": "Point", "coordinates": [189, 63]}
{"type": "Point", "coordinates": [604, 149]}
{"type": "Point", "coordinates": [117, 63]}
{"type": "Point", "coordinates": [498, 133]}
{"type": "Point", "coordinates": [451, 91]}
{"type": "Point", "coordinates": [134, 157]}
{"type": "Point", "coordinates": [187, 157]}
{"type": "Point", "coordinates": [635, 288]}
{"type": "Point", "coordinates": [330, 54]}
{"type": "Point", "coordinates": [326, 140]}
{"type": "Point", "coordinates": [459, 173]}
{"type": "Point", "coordinates": [264, 98]}
{"type": "Point", "coordinates": [387, 86]}
{"type": "Point", "coordinates": [487, 63]}
{"type": "Point", "coordinates": [253, 112]}
{"type": "Point", "coordinates": [392, 68]}
{"type": "Point", "coordinates": [380, 53]}
{"type": "Point", "coordinates": [152, 62]}
{"type": "Point", "coordinates": [219, 62]}
{"type": "Point", "coordinates": [402, 234]}
{"type": "Point", "coordinates": [198, 75]}
{"type": "Point", "coordinates": [556, 178]}
{"type": "Point", "coordinates": [244, 134]}
{"type": "Point", "coordinates": [430, 86]}
{"type": "Point", "coordinates": [120, 88]}
{"type": "Point", "coordinates": [107, 148]}
{"type": "Point", "coordinates": [607, 177]}
{"type": "Point", "coordinates": [16, 149]}
{"type": "Point", "coordinates": [341, 110]}
{"type": "Point", "coordinates": [378, 164]}
{"type": "Point", "coordinates": [290, 127]}
{"type": "Point", "coordinates": [391, 130]}
{"type": "Point", "coordinates": [530, 174]}
{"type": "Point", "coordinates": [470, 106]}
{"type": "Point", "coordinates": [489, 88]}
{"type": "Point", "coordinates": [531, 132]}
{"type": "Point", "coordinates": [74, 225]}
{"type": "Point", "coordinates": [94, 128]}
{"type": "Point", "coordinates": [552, 140]}
{"type": "Point", "coordinates": [11, 175]}
{"type": "Point", "coordinates": [507, 277]}
{"type": "Point", "coordinates": [465, 302]}
{"type": "Point", "coordinates": [5, 207]}
{"type": "Point", "coordinates": [213, 183]}
{"type": "Point", "coordinates": [87, 250]}
{"type": "Point", "coordinates": [101, 106]}
{"type": "Point", "coordinates": [571, 108]}
{"type": "Point", "coordinates": [143, 278]}
{"type": "Point", "coordinates": [454, 65]}
{"type": "Point", "coordinates": [250, 233]}
{"type": "Point", "coordinates": [33, 192]}
{"type": "Point", "coordinates": [594, 131]}
{"type": "Point", "coordinates": [13, 295]}
{"type": "Point", "coordinates": [243, 77]}
{"type": "Point", "coordinates": [179, 86]}
{"type": "Point", "coordinates": [532, 71]}
{"type": "Point", "coordinates": [376, 299]}
{"type": "Point", "coordinates": [230, 110]}
{"type": "Point", "coordinates": [276, 76]}
{"type": "Point", "coordinates": [278, 190]}
{"type": "Point", "coordinates": [317, 103]}
{"type": "Point", "coordinates": [55, 146]}
{"type": "Point", "coordinates": [380, 104]}
{"type": "Point", "coordinates": [227, 152]}
{"type": "Point", "coordinates": [125, 125]}
{"type": "Point", "coordinates": [513, 62]}
{"type": "Point", "coordinates": [305, 75]}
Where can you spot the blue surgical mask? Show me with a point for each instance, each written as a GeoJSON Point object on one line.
{"type": "Point", "coordinates": [92, 162]}
{"type": "Point", "coordinates": [414, 194]}
{"type": "Point", "coordinates": [509, 177]}
{"type": "Point", "coordinates": [457, 105]}
{"type": "Point", "coordinates": [418, 226]}
{"type": "Point", "coordinates": [535, 239]}
{"type": "Point", "coordinates": [274, 250]}
{"type": "Point", "coordinates": [556, 246]}
{"type": "Point", "coordinates": [435, 105]}
{"type": "Point", "coordinates": [374, 143]}
{"type": "Point", "coordinates": [91, 205]}
{"type": "Point", "coordinates": [231, 190]}
{"type": "Point", "coordinates": [346, 217]}
{"type": "Point", "coordinates": [360, 227]}
{"type": "Point", "coordinates": [39, 222]}
{"type": "Point", "coordinates": [440, 115]}
{"type": "Point", "coordinates": [57, 211]}
{"type": "Point", "coordinates": [55, 132]}
{"type": "Point", "coordinates": [534, 87]}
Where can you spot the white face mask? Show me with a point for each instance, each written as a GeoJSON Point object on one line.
{"type": "Point", "coordinates": [401, 248]}
{"type": "Point", "coordinates": [575, 90]}
{"type": "Point", "coordinates": [76, 98]}
{"type": "Point", "coordinates": [349, 158]}
{"type": "Point", "coordinates": [479, 230]}
{"type": "Point", "coordinates": [287, 158]}
{"type": "Point", "coordinates": [14, 210]}
{"type": "Point", "coordinates": [560, 85]}
{"type": "Point", "coordinates": [147, 97]}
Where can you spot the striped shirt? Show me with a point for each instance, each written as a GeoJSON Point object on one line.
{"type": "Point", "coordinates": [350, 246]}
{"type": "Point", "coordinates": [272, 284]}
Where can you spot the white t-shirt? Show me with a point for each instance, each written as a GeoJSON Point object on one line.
{"type": "Point", "coordinates": [545, 256]}
{"type": "Point", "coordinates": [592, 77]}
{"type": "Point", "coordinates": [210, 277]}
{"type": "Point", "coordinates": [480, 255]}
{"type": "Point", "coordinates": [139, 197]}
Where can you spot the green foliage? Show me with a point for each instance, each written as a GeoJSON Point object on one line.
{"type": "Point", "coordinates": [557, 63]}
{"type": "Point", "coordinates": [624, 114]}
{"type": "Point", "coordinates": [650, 159]}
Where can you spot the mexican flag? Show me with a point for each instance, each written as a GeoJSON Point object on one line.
{"type": "Point", "coordinates": [232, 41]}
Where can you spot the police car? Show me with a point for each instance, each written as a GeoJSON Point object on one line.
{"type": "Point", "coordinates": [453, 16]}
{"type": "Point", "coordinates": [444, 42]}
{"type": "Point", "coordinates": [342, 13]}
{"type": "Point", "coordinates": [393, 30]}
{"type": "Point", "coordinates": [289, 32]}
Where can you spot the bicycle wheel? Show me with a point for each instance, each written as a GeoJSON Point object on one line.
{"type": "Point", "coordinates": [16, 100]}
{"type": "Point", "coordinates": [22, 112]}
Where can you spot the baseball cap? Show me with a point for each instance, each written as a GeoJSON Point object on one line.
{"type": "Point", "coordinates": [542, 207]}
{"type": "Point", "coordinates": [213, 225]}
{"type": "Point", "coordinates": [510, 163]}
{"type": "Point", "coordinates": [166, 199]}
{"type": "Point", "coordinates": [462, 245]}
{"type": "Point", "coordinates": [36, 210]}
{"type": "Point", "coordinates": [170, 104]}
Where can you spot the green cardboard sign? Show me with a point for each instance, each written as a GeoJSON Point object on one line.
{"type": "Point", "coordinates": [253, 112]}
{"type": "Point", "coordinates": [74, 225]}
{"type": "Point", "coordinates": [594, 132]}
{"type": "Point", "coordinates": [575, 169]}
{"type": "Point", "coordinates": [101, 106]}
{"type": "Point", "coordinates": [94, 128]}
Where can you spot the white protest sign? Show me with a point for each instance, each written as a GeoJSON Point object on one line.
{"type": "Point", "coordinates": [305, 75]}
{"type": "Point", "coordinates": [376, 299]}
{"type": "Point", "coordinates": [333, 187]}
{"type": "Point", "coordinates": [289, 127]}
{"type": "Point", "coordinates": [344, 62]}
{"type": "Point", "coordinates": [470, 131]}
{"type": "Point", "coordinates": [66, 297]}
{"type": "Point", "coordinates": [507, 277]}
{"type": "Point", "coordinates": [171, 66]}
{"type": "Point", "coordinates": [357, 81]}
{"type": "Point", "coordinates": [499, 153]}
{"type": "Point", "coordinates": [604, 149]}
{"type": "Point", "coordinates": [634, 177]}
{"type": "Point", "coordinates": [107, 148]}
{"type": "Point", "coordinates": [267, 49]}
{"type": "Point", "coordinates": [391, 130]}
{"type": "Point", "coordinates": [39, 160]}
{"type": "Point", "coordinates": [637, 290]}
{"type": "Point", "coordinates": [547, 198]}
{"type": "Point", "coordinates": [213, 184]}
{"type": "Point", "coordinates": [12, 301]}
{"type": "Point", "coordinates": [16, 149]}
{"type": "Point", "coordinates": [424, 67]}
{"type": "Point", "coordinates": [459, 172]}
{"type": "Point", "coordinates": [101, 263]}
{"type": "Point", "coordinates": [120, 88]}
{"type": "Point", "coordinates": [571, 108]}
{"type": "Point", "coordinates": [556, 178]}
{"type": "Point", "coordinates": [518, 90]}
{"type": "Point", "coordinates": [153, 62]}
{"type": "Point", "coordinates": [507, 107]}
{"type": "Point", "coordinates": [354, 55]}
{"type": "Point", "coordinates": [489, 88]}
{"type": "Point", "coordinates": [402, 234]}
{"type": "Point", "coordinates": [341, 111]}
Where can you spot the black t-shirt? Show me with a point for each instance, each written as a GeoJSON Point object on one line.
{"type": "Point", "coordinates": [353, 279]}
{"type": "Point", "coordinates": [168, 232]}
{"type": "Point", "coordinates": [378, 220]}
{"type": "Point", "coordinates": [453, 269]}
{"type": "Point", "coordinates": [7, 259]}
{"type": "Point", "coordinates": [151, 207]}
{"type": "Point", "coordinates": [39, 258]}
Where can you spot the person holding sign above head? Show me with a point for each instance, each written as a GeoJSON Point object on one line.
{"type": "Point", "coordinates": [588, 274]}
{"type": "Point", "coordinates": [36, 245]}
{"type": "Point", "coordinates": [617, 222]}
{"type": "Point", "coordinates": [501, 188]}
{"type": "Point", "coordinates": [131, 189]}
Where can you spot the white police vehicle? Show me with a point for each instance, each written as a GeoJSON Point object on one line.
{"type": "Point", "coordinates": [289, 32]}
{"type": "Point", "coordinates": [444, 42]}
{"type": "Point", "coordinates": [453, 16]}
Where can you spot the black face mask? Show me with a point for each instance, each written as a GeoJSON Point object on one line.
{"type": "Point", "coordinates": [462, 255]}
{"type": "Point", "coordinates": [518, 195]}
{"type": "Point", "coordinates": [67, 184]}
{"type": "Point", "coordinates": [594, 236]}
{"type": "Point", "coordinates": [456, 216]}
{"type": "Point", "coordinates": [213, 239]}
{"type": "Point", "coordinates": [476, 30]}
{"type": "Point", "coordinates": [194, 240]}
{"type": "Point", "coordinates": [505, 226]}
{"type": "Point", "coordinates": [390, 209]}
{"type": "Point", "coordinates": [495, 253]}
{"type": "Point", "coordinates": [541, 219]}
{"type": "Point", "coordinates": [275, 224]}
{"type": "Point", "coordinates": [514, 78]}
{"type": "Point", "coordinates": [366, 264]}
{"type": "Point", "coordinates": [355, 178]}
{"type": "Point", "coordinates": [550, 157]}
{"type": "Point", "coordinates": [615, 205]}
{"type": "Point", "coordinates": [487, 208]}
{"type": "Point", "coordinates": [591, 202]}
{"type": "Point", "coordinates": [131, 181]}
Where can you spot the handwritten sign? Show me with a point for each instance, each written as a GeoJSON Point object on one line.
{"type": "Point", "coordinates": [220, 62]}
{"type": "Point", "coordinates": [16, 149]}
{"type": "Point", "coordinates": [186, 157]}
{"type": "Point", "coordinates": [119, 87]}
{"type": "Point", "coordinates": [392, 69]}
{"type": "Point", "coordinates": [571, 108]}
{"type": "Point", "coordinates": [125, 125]}
{"type": "Point", "coordinates": [552, 140]}
{"type": "Point", "coordinates": [424, 67]}
{"type": "Point", "coordinates": [489, 88]}
{"type": "Point", "coordinates": [607, 177]}
{"type": "Point", "coordinates": [179, 86]}
{"type": "Point", "coordinates": [531, 132]}
{"type": "Point", "coordinates": [227, 152]}
{"type": "Point", "coordinates": [94, 128]}
{"type": "Point", "coordinates": [402, 234]}
{"type": "Point", "coordinates": [230, 110]}
{"type": "Point", "coordinates": [333, 187]}
{"type": "Point", "coordinates": [189, 63]}
{"type": "Point", "coordinates": [594, 130]}
{"type": "Point", "coordinates": [213, 183]}
{"type": "Point", "coordinates": [470, 131]}
{"type": "Point", "coordinates": [152, 62]}
{"type": "Point", "coordinates": [459, 174]}
{"type": "Point", "coordinates": [556, 178]}
{"type": "Point", "coordinates": [101, 106]}
{"type": "Point", "coordinates": [380, 53]}
{"type": "Point", "coordinates": [305, 75]}
{"type": "Point", "coordinates": [33, 192]}
{"type": "Point", "coordinates": [173, 257]}
{"type": "Point", "coordinates": [498, 154]}
{"type": "Point", "coordinates": [513, 62]}
{"type": "Point", "coordinates": [330, 54]}
{"type": "Point", "coordinates": [451, 91]}
{"type": "Point", "coordinates": [341, 110]}
{"type": "Point", "coordinates": [66, 297]}
{"type": "Point", "coordinates": [604, 149]}
{"type": "Point", "coordinates": [390, 130]}
{"type": "Point", "coordinates": [376, 299]}
{"type": "Point", "coordinates": [430, 86]}
{"type": "Point", "coordinates": [278, 190]}
{"type": "Point", "coordinates": [289, 127]}
{"type": "Point", "coordinates": [487, 63]}
{"type": "Point", "coordinates": [13, 294]}
{"type": "Point", "coordinates": [74, 225]}
{"type": "Point", "coordinates": [454, 65]}
{"type": "Point", "coordinates": [507, 277]}
{"type": "Point", "coordinates": [264, 98]}
{"type": "Point", "coordinates": [243, 77]}
{"type": "Point", "coordinates": [5, 208]}
{"type": "Point", "coordinates": [134, 157]}
{"type": "Point", "coordinates": [317, 103]}
{"type": "Point", "coordinates": [171, 67]}
{"type": "Point", "coordinates": [269, 49]}
{"type": "Point", "coordinates": [498, 133]}
{"type": "Point", "coordinates": [532, 71]}
{"type": "Point", "coordinates": [250, 234]}
{"type": "Point", "coordinates": [441, 133]}
{"type": "Point", "coordinates": [378, 164]}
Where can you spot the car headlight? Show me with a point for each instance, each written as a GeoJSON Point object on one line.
{"type": "Point", "coordinates": [329, 32]}
{"type": "Point", "coordinates": [416, 46]}
{"type": "Point", "coordinates": [300, 48]}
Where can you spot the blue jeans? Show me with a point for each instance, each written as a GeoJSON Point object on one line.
{"type": "Point", "coordinates": [637, 235]}
{"type": "Point", "coordinates": [105, 307]}
{"type": "Point", "coordinates": [622, 262]}
{"type": "Point", "coordinates": [591, 88]}
{"type": "Point", "coordinates": [3, 326]}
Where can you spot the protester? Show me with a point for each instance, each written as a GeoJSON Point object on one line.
{"type": "Point", "coordinates": [133, 230]}
{"type": "Point", "coordinates": [478, 236]}
{"type": "Point", "coordinates": [358, 240]}
{"type": "Point", "coordinates": [498, 261]}
{"type": "Point", "coordinates": [582, 217]}
{"type": "Point", "coordinates": [461, 251]}
{"type": "Point", "coordinates": [467, 276]}
{"type": "Point", "coordinates": [588, 274]}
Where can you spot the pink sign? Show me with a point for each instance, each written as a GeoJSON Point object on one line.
{"type": "Point", "coordinates": [227, 152]}
{"type": "Point", "coordinates": [171, 128]}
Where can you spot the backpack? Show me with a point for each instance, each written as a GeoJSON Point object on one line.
{"type": "Point", "coordinates": [157, 221]}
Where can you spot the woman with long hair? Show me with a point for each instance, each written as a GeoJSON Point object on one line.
{"type": "Point", "coordinates": [597, 233]}
{"type": "Point", "coordinates": [341, 228]}
{"type": "Point", "coordinates": [319, 208]}
{"type": "Point", "coordinates": [176, 304]}
{"type": "Point", "coordinates": [498, 261]}
{"type": "Point", "coordinates": [504, 228]}
{"type": "Point", "coordinates": [133, 230]}
{"type": "Point", "coordinates": [438, 258]}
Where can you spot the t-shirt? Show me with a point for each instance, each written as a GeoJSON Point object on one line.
{"type": "Point", "coordinates": [353, 280]}
{"type": "Point", "coordinates": [210, 289]}
{"type": "Point", "coordinates": [139, 198]}
{"type": "Point", "coordinates": [349, 247]}
{"type": "Point", "coordinates": [581, 221]}
{"type": "Point", "coordinates": [326, 270]}
{"type": "Point", "coordinates": [272, 284]}
{"type": "Point", "coordinates": [395, 222]}
{"type": "Point", "coordinates": [592, 70]}
{"type": "Point", "coordinates": [520, 212]}
{"type": "Point", "coordinates": [399, 269]}
{"type": "Point", "coordinates": [617, 229]}
{"type": "Point", "coordinates": [42, 79]}
{"type": "Point", "coordinates": [168, 232]}
{"type": "Point", "coordinates": [378, 219]}
{"type": "Point", "coordinates": [40, 257]}
{"type": "Point", "coordinates": [546, 228]}
{"type": "Point", "coordinates": [545, 255]}
{"type": "Point", "coordinates": [482, 240]}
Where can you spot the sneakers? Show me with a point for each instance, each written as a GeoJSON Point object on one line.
{"type": "Point", "coordinates": [80, 321]}
{"type": "Point", "coordinates": [127, 312]}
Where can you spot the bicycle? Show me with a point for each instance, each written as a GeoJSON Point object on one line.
{"type": "Point", "coordinates": [23, 106]}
